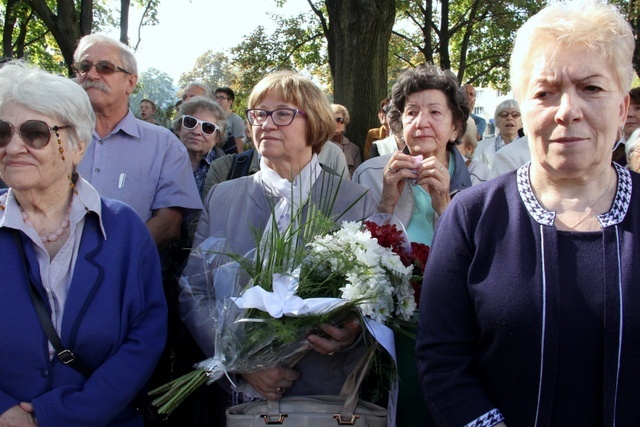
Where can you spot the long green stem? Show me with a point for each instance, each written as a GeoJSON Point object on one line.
{"type": "Point", "coordinates": [175, 392]}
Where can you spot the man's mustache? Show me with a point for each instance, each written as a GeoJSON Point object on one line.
{"type": "Point", "coordinates": [87, 84]}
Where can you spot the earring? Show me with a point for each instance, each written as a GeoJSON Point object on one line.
{"type": "Point", "coordinates": [60, 149]}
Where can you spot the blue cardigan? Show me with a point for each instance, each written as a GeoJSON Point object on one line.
{"type": "Point", "coordinates": [114, 321]}
{"type": "Point", "coordinates": [490, 310]}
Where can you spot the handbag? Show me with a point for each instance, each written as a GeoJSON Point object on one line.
{"type": "Point", "coordinates": [314, 411]}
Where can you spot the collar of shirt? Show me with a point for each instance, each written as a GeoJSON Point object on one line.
{"type": "Point", "coordinates": [86, 197]}
{"type": "Point", "coordinates": [210, 156]}
{"type": "Point", "coordinates": [128, 124]}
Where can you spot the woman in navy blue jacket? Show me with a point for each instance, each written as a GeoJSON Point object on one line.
{"type": "Point", "coordinates": [89, 262]}
{"type": "Point", "coordinates": [529, 306]}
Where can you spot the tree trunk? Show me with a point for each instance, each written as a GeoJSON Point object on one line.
{"type": "Point", "coordinates": [86, 17]}
{"type": "Point", "coordinates": [7, 29]}
{"type": "Point", "coordinates": [64, 26]}
{"type": "Point", "coordinates": [124, 21]}
{"type": "Point", "coordinates": [358, 35]}
{"type": "Point", "coordinates": [445, 36]}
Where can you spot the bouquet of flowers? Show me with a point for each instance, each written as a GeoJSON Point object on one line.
{"type": "Point", "coordinates": [258, 309]}
{"type": "Point", "coordinates": [390, 233]}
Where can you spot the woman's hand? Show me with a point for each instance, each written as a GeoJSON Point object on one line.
{"type": "Point", "coordinates": [338, 337]}
{"type": "Point", "coordinates": [434, 177]}
{"type": "Point", "coordinates": [399, 167]}
{"type": "Point", "coordinates": [271, 383]}
{"type": "Point", "coordinates": [18, 416]}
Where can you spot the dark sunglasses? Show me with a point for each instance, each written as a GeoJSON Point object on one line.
{"type": "Point", "coordinates": [102, 67]}
{"type": "Point", "coordinates": [505, 114]}
{"type": "Point", "coordinates": [339, 120]}
{"type": "Point", "coordinates": [34, 133]}
{"type": "Point", "coordinates": [191, 122]}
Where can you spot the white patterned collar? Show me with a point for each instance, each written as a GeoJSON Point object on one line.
{"type": "Point", "coordinates": [542, 216]}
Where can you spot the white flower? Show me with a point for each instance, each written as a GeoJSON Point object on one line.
{"type": "Point", "coordinates": [375, 276]}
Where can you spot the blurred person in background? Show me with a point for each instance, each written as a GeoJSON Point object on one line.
{"type": "Point", "coordinates": [351, 151]}
{"type": "Point", "coordinates": [148, 111]}
{"type": "Point", "coordinates": [377, 134]}
{"type": "Point", "coordinates": [508, 122]}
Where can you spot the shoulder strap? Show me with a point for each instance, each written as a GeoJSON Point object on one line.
{"type": "Point", "coordinates": [240, 165]}
{"type": "Point", "coordinates": [66, 356]}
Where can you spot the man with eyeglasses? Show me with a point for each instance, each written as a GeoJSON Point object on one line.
{"type": "Point", "coordinates": [130, 160]}
{"type": "Point", "coordinates": [235, 131]}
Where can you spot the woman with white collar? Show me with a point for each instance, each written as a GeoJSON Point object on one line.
{"type": "Point", "coordinates": [291, 119]}
{"type": "Point", "coordinates": [508, 121]}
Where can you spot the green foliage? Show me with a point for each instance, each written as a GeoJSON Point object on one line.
{"type": "Point", "coordinates": [212, 69]}
{"type": "Point", "coordinates": [31, 39]}
{"type": "Point", "coordinates": [479, 36]}
{"type": "Point", "coordinates": [296, 44]}
{"type": "Point", "coordinates": [157, 86]}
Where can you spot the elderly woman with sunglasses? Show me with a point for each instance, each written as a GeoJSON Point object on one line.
{"type": "Point", "coordinates": [508, 122]}
{"type": "Point", "coordinates": [201, 127]}
{"type": "Point", "coordinates": [82, 308]}
{"type": "Point", "coordinates": [351, 151]}
{"type": "Point", "coordinates": [291, 120]}
{"type": "Point", "coordinates": [529, 306]}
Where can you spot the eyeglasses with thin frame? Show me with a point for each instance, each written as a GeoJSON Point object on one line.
{"type": "Point", "coordinates": [339, 120]}
{"type": "Point", "coordinates": [190, 122]}
{"type": "Point", "coordinates": [34, 133]}
{"type": "Point", "coordinates": [102, 67]}
{"type": "Point", "coordinates": [221, 98]}
{"type": "Point", "coordinates": [505, 114]}
{"type": "Point", "coordinates": [280, 116]}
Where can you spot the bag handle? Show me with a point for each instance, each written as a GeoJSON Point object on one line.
{"type": "Point", "coordinates": [351, 387]}
{"type": "Point", "coordinates": [349, 392]}
{"type": "Point", "coordinates": [65, 355]}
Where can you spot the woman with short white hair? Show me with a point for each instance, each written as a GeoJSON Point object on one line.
{"type": "Point", "coordinates": [508, 122]}
{"type": "Point", "coordinates": [528, 307]}
{"type": "Point", "coordinates": [82, 308]}
{"type": "Point", "coordinates": [632, 150]}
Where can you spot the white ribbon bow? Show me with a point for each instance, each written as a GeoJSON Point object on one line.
{"type": "Point", "coordinates": [283, 301]}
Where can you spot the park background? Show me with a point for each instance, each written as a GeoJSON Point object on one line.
{"type": "Point", "coordinates": [353, 49]}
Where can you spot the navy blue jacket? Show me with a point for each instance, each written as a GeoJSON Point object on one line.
{"type": "Point", "coordinates": [114, 321]}
{"type": "Point", "coordinates": [490, 309]}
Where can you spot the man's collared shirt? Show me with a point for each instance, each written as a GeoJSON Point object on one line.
{"type": "Point", "coordinates": [143, 165]}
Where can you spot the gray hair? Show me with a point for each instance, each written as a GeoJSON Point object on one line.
{"type": "Point", "coordinates": [632, 143]}
{"type": "Point", "coordinates": [207, 90]}
{"type": "Point", "coordinates": [508, 104]}
{"type": "Point", "coordinates": [50, 95]}
{"type": "Point", "coordinates": [202, 103]}
{"type": "Point", "coordinates": [424, 77]}
{"type": "Point", "coordinates": [564, 25]}
{"type": "Point", "coordinates": [127, 57]}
